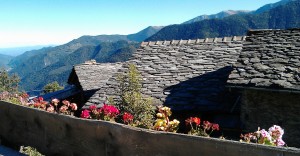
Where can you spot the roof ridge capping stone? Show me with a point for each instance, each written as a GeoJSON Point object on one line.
{"type": "Point", "coordinates": [89, 63]}
{"type": "Point", "coordinates": [194, 41]}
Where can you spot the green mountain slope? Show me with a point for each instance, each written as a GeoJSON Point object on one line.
{"type": "Point", "coordinates": [59, 71]}
{"type": "Point", "coordinates": [280, 17]}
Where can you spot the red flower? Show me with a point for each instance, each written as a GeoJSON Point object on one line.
{"type": "Point", "coordinates": [192, 120]}
{"type": "Point", "coordinates": [41, 99]}
{"type": "Point", "coordinates": [36, 105]}
{"type": "Point", "coordinates": [109, 110]}
{"type": "Point", "coordinates": [85, 114]}
{"type": "Point", "coordinates": [25, 95]}
{"type": "Point", "coordinates": [127, 117]}
{"type": "Point", "coordinates": [196, 121]}
{"type": "Point", "coordinates": [215, 127]}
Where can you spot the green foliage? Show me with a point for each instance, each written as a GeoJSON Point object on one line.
{"type": "Point", "coordinates": [27, 150]}
{"type": "Point", "coordinates": [132, 100]}
{"type": "Point", "coordinates": [8, 83]}
{"type": "Point", "coordinates": [52, 87]}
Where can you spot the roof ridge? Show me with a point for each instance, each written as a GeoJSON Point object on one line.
{"type": "Point", "coordinates": [194, 41]}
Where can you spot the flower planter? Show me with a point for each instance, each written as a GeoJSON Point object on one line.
{"type": "Point", "coordinates": [54, 134]}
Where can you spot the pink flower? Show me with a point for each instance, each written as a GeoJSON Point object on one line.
{"type": "Point", "coordinates": [73, 106]}
{"type": "Point", "coordinates": [50, 109]}
{"type": "Point", "coordinates": [276, 132]}
{"type": "Point", "coordinates": [63, 109]}
{"type": "Point", "coordinates": [66, 103]}
{"type": "Point", "coordinates": [279, 142]}
{"type": "Point", "coordinates": [85, 114]}
{"type": "Point", "coordinates": [92, 107]}
{"type": "Point", "coordinates": [206, 125]}
{"type": "Point", "coordinates": [265, 134]}
{"type": "Point", "coordinates": [55, 102]}
{"type": "Point", "coordinates": [215, 127]}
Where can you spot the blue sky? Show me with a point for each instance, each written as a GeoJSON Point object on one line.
{"type": "Point", "coordinates": [45, 22]}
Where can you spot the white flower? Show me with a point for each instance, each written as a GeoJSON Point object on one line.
{"type": "Point", "coordinates": [276, 132]}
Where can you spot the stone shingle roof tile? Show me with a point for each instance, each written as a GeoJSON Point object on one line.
{"type": "Point", "coordinates": [95, 75]}
{"type": "Point", "coordinates": [269, 59]}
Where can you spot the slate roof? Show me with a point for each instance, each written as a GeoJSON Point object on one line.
{"type": "Point", "coordinates": [269, 59]}
{"type": "Point", "coordinates": [183, 74]}
{"type": "Point", "coordinates": [193, 74]}
{"type": "Point", "coordinates": [92, 76]}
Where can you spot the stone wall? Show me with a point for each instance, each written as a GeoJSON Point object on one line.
{"type": "Point", "coordinates": [54, 134]}
{"type": "Point", "coordinates": [185, 74]}
{"type": "Point", "coordinates": [266, 108]}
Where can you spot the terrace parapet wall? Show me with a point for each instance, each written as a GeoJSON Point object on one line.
{"type": "Point", "coordinates": [54, 134]}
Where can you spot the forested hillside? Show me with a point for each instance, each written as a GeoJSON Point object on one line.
{"type": "Point", "coordinates": [59, 71]}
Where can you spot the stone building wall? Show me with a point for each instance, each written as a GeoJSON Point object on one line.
{"type": "Point", "coordinates": [182, 74]}
{"type": "Point", "coordinates": [266, 108]}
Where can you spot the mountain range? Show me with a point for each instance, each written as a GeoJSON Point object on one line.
{"type": "Point", "coordinates": [219, 15]}
{"type": "Point", "coordinates": [281, 15]}
{"type": "Point", "coordinates": [39, 67]}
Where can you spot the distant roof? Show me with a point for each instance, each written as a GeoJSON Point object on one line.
{"type": "Point", "coordinates": [269, 59]}
{"type": "Point", "coordinates": [92, 76]}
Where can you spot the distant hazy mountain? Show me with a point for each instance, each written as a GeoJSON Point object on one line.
{"type": "Point", "coordinates": [4, 59]}
{"type": "Point", "coordinates": [285, 15]}
{"type": "Point", "coordinates": [219, 15]}
{"type": "Point", "coordinates": [15, 51]}
{"type": "Point", "coordinates": [145, 33]}
{"type": "Point", "coordinates": [39, 67]}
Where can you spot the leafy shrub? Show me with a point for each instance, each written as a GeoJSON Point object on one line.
{"type": "Point", "coordinates": [8, 83]}
{"type": "Point", "coordinates": [27, 150]}
{"type": "Point", "coordinates": [132, 100]}
{"type": "Point", "coordinates": [52, 87]}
